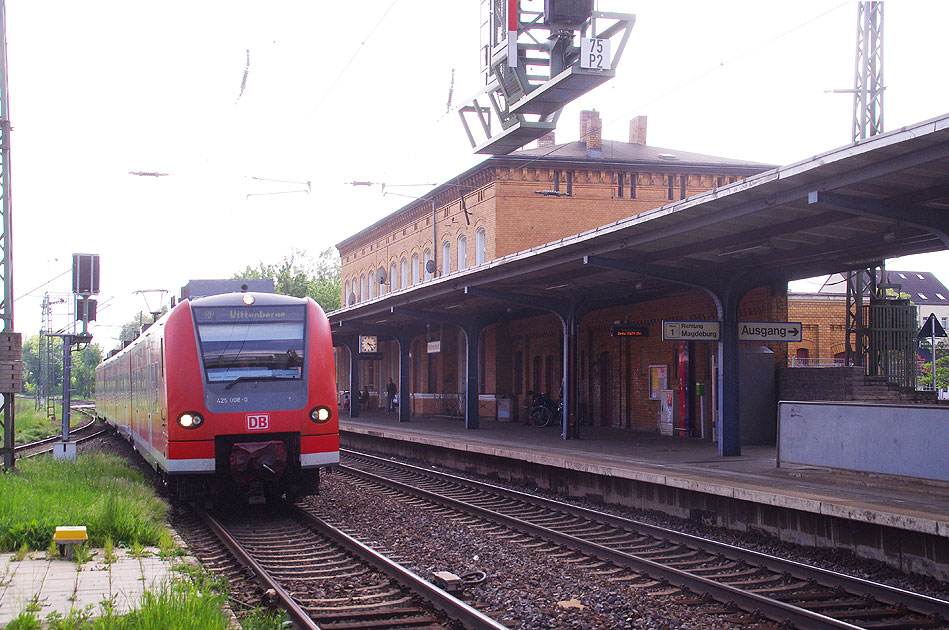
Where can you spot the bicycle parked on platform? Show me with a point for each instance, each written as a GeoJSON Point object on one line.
{"type": "Point", "coordinates": [544, 411]}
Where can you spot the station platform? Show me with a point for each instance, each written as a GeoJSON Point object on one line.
{"type": "Point", "coordinates": [43, 586]}
{"type": "Point", "coordinates": [898, 520]}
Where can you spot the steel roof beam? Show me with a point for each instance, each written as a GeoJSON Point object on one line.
{"type": "Point", "coordinates": [927, 219]}
{"type": "Point", "coordinates": [798, 193]}
{"type": "Point", "coordinates": [924, 196]}
{"type": "Point", "coordinates": [702, 281]}
{"type": "Point", "coordinates": [367, 329]}
{"type": "Point", "coordinates": [517, 298]}
{"type": "Point", "coordinates": [758, 234]}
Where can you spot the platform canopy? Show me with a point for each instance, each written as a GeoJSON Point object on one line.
{"type": "Point", "coordinates": [849, 208]}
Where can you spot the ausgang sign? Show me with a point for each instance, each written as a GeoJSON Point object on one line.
{"type": "Point", "coordinates": [769, 331]}
{"type": "Point", "coordinates": [691, 331]}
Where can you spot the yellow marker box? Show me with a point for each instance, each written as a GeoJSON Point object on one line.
{"type": "Point", "coordinates": [70, 535]}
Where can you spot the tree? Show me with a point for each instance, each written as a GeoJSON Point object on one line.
{"type": "Point", "coordinates": [82, 372]}
{"type": "Point", "coordinates": [132, 328]}
{"type": "Point", "coordinates": [300, 276]}
{"type": "Point", "coordinates": [942, 368]}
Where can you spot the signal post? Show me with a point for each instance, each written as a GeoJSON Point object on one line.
{"type": "Point", "coordinates": [85, 276]}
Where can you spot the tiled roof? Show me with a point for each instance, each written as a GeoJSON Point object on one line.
{"type": "Point", "coordinates": [615, 151]}
{"type": "Point", "coordinates": [922, 286]}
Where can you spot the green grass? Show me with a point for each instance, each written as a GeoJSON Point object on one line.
{"type": "Point", "coordinates": [31, 424]}
{"type": "Point", "coordinates": [193, 601]}
{"type": "Point", "coordinates": [96, 490]}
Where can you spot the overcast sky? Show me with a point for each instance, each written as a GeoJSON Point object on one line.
{"type": "Point", "coordinates": [101, 88]}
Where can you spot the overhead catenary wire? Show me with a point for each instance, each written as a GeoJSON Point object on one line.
{"type": "Point", "coordinates": [50, 281]}
{"type": "Point", "coordinates": [329, 90]}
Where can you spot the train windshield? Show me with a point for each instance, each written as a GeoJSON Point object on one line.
{"type": "Point", "coordinates": [251, 343]}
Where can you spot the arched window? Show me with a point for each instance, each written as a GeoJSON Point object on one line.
{"type": "Point", "coordinates": [362, 287]}
{"type": "Point", "coordinates": [479, 246]}
{"type": "Point", "coordinates": [382, 285]}
{"type": "Point", "coordinates": [346, 291]}
{"type": "Point", "coordinates": [372, 285]}
{"type": "Point", "coordinates": [462, 252]}
{"type": "Point", "coordinates": [404, 275]}
{"type": "Point", "coordinates": [393, 278]}
{"type": "Point", "coordinates": [446, 258]}
{"type": "Point", "coordinates": [415, 278]}
{"type": "Point", "coordinates": [426, 258]}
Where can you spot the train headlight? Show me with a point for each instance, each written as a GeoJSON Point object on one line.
{"type": "Point", "coordinates": [320, 414]}
{"type": "Point", "coordinates": [190, 420]}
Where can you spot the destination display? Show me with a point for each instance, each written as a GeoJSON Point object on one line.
{"type": "Point", "coordinates": [621, 330]}
{"type": "Point", "coordinates": [770, 331]}
{"type": "Point", "coordinates": [691, 331]}
{"type": "Point", "coordinates": [224, 314]}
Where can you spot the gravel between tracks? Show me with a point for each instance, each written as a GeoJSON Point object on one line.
{"type": "Point", "coordinates": [525, 585]}
{"type": "Point", "coordinates": [831, 559]}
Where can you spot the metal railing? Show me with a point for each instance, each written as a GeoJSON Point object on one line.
{"type": "Point", "coordinates": [809, 362]}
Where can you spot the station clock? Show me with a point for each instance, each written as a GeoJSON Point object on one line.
{"type": "Point", "coordinates": [368, 344]}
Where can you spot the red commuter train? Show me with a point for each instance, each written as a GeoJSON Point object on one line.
{"type": "Point", "coordinates": [230, 395]}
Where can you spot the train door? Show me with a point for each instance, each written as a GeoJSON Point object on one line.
{"type": "Point", "coordinates": [605, 370]}
{"type": "Point", "coordinates": [162, 442]}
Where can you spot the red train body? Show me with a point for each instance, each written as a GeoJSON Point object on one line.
{"type": "Point", "coordinates": [229, 395]}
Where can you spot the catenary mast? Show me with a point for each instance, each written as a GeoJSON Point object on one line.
{"type": "Point", "coordinates": [10, 347]}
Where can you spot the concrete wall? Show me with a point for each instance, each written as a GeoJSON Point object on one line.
{"type": "Point", "coordinates": [906, 440]}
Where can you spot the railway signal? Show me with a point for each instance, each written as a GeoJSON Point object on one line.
{"type": "Point", "coordinates": [85, 284]}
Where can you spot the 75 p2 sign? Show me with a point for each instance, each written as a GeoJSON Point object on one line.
{"type": "Point", "coordinates": [595, 54]}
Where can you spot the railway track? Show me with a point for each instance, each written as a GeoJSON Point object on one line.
{"type": "Point", "coordinates": [84, 432]}
{"type": "Point", "coordinates": [326, 579]}
{"type": "Point", "coordinates": [782, 590]}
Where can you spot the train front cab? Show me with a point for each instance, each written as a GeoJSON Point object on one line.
{"type": "Point", "coordinates": [257, 410]}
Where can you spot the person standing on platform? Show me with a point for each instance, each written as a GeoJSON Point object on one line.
{"type": "Point", "coordinates": [391, 390]}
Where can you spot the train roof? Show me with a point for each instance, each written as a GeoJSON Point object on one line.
{"type": "Point", "coordinates": [260, 299]}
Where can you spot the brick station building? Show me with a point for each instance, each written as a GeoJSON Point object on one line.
{"type": "Point", "coordinates": [511, 203]}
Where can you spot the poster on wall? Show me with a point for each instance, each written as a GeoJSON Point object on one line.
{"type": "Point", "coordinates": [658, 380]}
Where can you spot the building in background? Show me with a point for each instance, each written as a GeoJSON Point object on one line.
{"type": "Point", "coordinates": [823, 313]}
{"type": "Point", "coordinates": [511, 203]}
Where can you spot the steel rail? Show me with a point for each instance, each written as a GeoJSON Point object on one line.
{"type": "Point", "coordinates": [296, 613]}
{"type": "Point", "coordinates": [916, 602]}
{"type": "Point", "coordinates": [34, 444]}
{"type": "Point", "coordinates": [772, 609]}
{"type": "Point", "coordinates": [450, 605]}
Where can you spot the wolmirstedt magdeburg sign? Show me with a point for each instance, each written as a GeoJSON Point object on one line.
{"type": "Point", "coordinates": [769, 331]}
{"type": "Point", "coordinates": [691, 331]}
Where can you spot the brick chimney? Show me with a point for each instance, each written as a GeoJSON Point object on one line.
{"type": "Point", "coordinates": [637, 130]}
{"type": "Point", "coordinates": [591, 132]}
{"type": "Point", "coordinates": [546, 140]}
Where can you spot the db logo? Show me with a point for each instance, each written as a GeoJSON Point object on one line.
{"type": "Point", "coordinates": [259, 422]}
